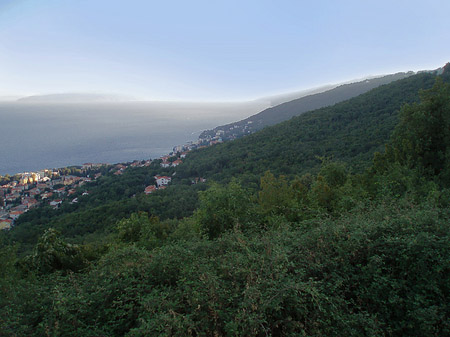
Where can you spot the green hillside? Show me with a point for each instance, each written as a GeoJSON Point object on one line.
{"type": "Point", "coordinates": [349, 131]}
{"type": "Point", "coordinates": [320, 252]}
{"type": "Point", "coordinates": [296, 107]}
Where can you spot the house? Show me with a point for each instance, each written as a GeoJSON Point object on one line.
{"type": "Point", "coordinates": [165, 164]}
{"type": "Point", "coordinates": [162, 180]}
{"type": "Point", "coordinates": [18, 189]}
{"type": "Point", "coordinates": [61, 190]}
{"type": "Point", "coordinates": [12, 196]}
{"type": "Point", "coordinates": [32, 203]}
{"type": "Point", "coordinates": [33, 192]}
{"type": "Point", "coordinates": [46, 195]}
{"type": "Point", "coordinates": [176, 162]}
{"type": "Point", "coordinates": [57, 182]}
{"type": "Point", "coordinates": [198, 180]}
{"type": "Point", "coordinates": [29, 202]}
{"type": "Point", "coordinates": [15, 214]}
{"type": "Point", "coordinates": [217, 141]}
{"type": "Point", "coordinates": [5, 223]}
{"type": "Point", "coordinates": [69, 180]}
{"type": "Point", "coordinates": [150, 189]}
{"type": "Point", "coordinates": [136, 163]}
{"type": "Point", "coordinates": [56, 203]}
{"type": "Point", "coordinates": [87, 166]}
{"type": "Point", "coordinates": [178, 148]}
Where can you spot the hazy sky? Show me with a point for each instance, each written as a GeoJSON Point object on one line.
{"type": "Point", "coordinates": [213, 50]}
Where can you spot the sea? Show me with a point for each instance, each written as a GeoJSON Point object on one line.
{"type": "Point", "coordinates": [35, 136]}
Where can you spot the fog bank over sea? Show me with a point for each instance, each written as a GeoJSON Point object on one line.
{"type": "Point", "coordinates": [35, 136]}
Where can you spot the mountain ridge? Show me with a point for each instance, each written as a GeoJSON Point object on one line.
{"type": "Point", "coordinates": [287, 110]}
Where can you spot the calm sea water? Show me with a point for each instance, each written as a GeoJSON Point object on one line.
{"type": "Point", "coordinates": [37, 136]}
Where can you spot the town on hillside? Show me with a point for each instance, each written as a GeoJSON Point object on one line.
{"type": "Point", "coordinates": [24, 191]}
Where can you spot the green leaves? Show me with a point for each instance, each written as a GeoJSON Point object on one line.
{"type": "Point", "coordinates": [224, 207]}
{"type": "Point", "coordinates": [52, 253]}
{"type": "Point", "coordinates": [422, 138]}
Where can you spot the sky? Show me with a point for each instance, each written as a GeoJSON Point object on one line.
{"type": "Point", "coordinates": [213, 50]}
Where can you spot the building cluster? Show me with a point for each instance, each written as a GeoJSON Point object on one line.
{"type": "Point", "coordinates": [51, 186]}
{"type": "Point", "coordinates": [173, 160]}
{"type": "Point", "coordinates": [202, 142]}
{"type": "Point", "coordinates": [166, 162]}
{"type": "Point", "coordinates": [33, 189]}
{"type": "Point", "coordinates": [227, 132]}
{"type": "Point", "coordinates": [161, 183]}
{"type": "Point", "coordinates": [118, 169]}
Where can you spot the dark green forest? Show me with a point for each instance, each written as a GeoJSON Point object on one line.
{"type": "Point", "coordinates": [335, 223]}
{"type": "Point", "coordinates": [350, 131]}
{"type": "Point", "coordinates": [284, 111]}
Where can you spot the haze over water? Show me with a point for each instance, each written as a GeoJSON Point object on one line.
{"type": "Point", "coordinates": [35, 136]}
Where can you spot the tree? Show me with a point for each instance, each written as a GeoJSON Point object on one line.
{"type": "Point", "coordinates": [143, 230]}
{"type": "Point", "coordinates": [53, 253]}
{"type": "Point", "coordinates": [276, 197]}
{"type": "Point", "coordinates": [222, 208]}
{"type": "Point", "coordinates": [422, 138]}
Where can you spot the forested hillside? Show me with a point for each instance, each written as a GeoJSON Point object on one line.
{"type": "Point", "coordinates": [349, 131]}
{"type": "Point", "coordinates": [296, 107]}
{"type": "Point", "coordinates": [357, 246]}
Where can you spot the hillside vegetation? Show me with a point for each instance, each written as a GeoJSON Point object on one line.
{"type": "Point", "coordinates": [324, 253]}
{"type": "Point", "coordinates": [296, 107]}
{"type": "Point", "coordinates": [349, 131]}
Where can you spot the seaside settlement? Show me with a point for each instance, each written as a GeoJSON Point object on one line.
{"type": "Point", "coordinates": [25, 191]}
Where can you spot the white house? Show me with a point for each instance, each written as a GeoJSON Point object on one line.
{"type": "Point", "coordinates": [165, 164]}
{"type": "Point", "coordinates": [176, 162]}
{"type": "Point", "coordinates": [162, 180]}
{"type": "Point", "coordinates": [55, 203]}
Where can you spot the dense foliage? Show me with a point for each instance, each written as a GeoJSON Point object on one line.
{"type": "Point", "coordinates": [110, 199]}
{"type": "Point", "coordinates": [327, 253]}
{"type": "Point", "coordinates": [350, 131]}
{"type": "Point", "coordinates": [284, 111]}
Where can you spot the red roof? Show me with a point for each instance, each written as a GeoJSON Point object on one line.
{"type": "Point", "coordinates": [163, 177]}
{"type": "Point", "coordinates": [150, 189]}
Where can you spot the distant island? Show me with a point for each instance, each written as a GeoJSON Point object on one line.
{"type": "Point", "coordinates": [76, 98]}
